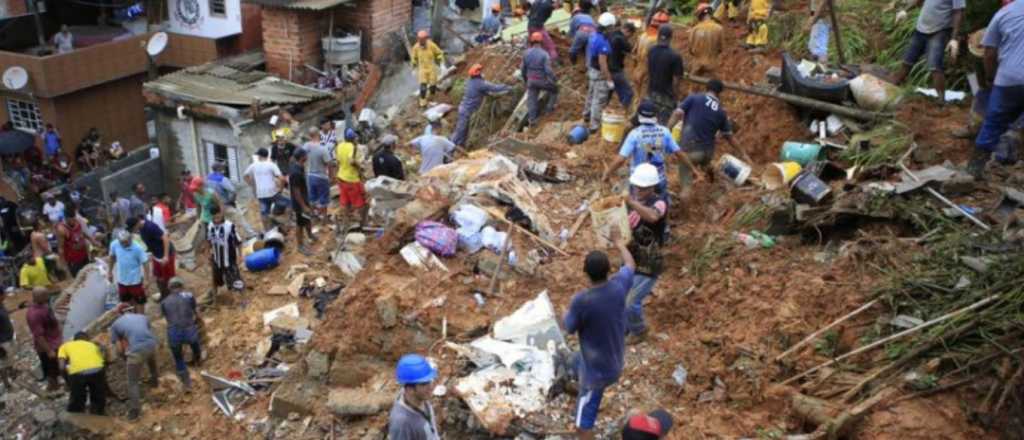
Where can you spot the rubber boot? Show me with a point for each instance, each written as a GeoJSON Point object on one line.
{"type": "Point", "coordinates": [976, 165]}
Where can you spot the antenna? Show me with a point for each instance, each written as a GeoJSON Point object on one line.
{"type": "Point", "coordinates": [157, 43]}
{"type": "Point", "coordinates": [15, 77]}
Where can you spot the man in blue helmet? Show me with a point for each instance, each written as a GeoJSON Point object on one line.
{"type": "Point", "coordinates": [412, 417]}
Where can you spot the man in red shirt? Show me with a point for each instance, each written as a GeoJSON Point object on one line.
{"type": "Point", "coordinates": [73, 242]}
{"type": "Point", "coordinates": [185, 200]}
{"type": "Point", "coordinates": [46, 334]}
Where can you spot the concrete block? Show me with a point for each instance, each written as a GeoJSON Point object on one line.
{"type": "Point", "coordinates": [387, 310]}
{"type": "Point", "coordinates": [298, 397]}
{"type": "Point", "coordinates": [358, 402]}
{"type": "Point", "coordinates": [317, 365]}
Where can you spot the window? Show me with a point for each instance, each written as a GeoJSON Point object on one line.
{"type": "Point", "coordinates": [218, 8]}
{"type": "Point", "coordinates": [24, 115]}
{"type": "Point", "coordinates": [223, 154]}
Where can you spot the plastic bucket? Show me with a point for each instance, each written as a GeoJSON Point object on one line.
{"type": "Point", "coordinates": [262, 259]}
{"type": "Point", "coordinates": [733, 168]}
{"type": "Point", "coordinates": [613, 126]}
{"type": "Point", "coordinates": [808, 188]}
{"type": "Point", "coordinates": [578, 135]}
{"type": "Point", "coordinates": [677, 133]}
{"type": "Point", "coordinates": [779, 174]}
{"type": "Point", "coordinates": [799, 152]}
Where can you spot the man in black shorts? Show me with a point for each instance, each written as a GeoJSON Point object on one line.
{"type": "Point", "coordinates": [300, 199]}
{"type": "Point", "coordinates": [224, 244]}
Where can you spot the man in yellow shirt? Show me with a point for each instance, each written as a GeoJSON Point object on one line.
{"type": "Point", "coordinates": [757, 23]}
{"type": "Point", "coordinates": [83, 363]}
{"type": "Point", "coordinates": [705, 42]}
{"type": "Point", "coordinates": [33, 274]}
{"type": "Point", "coordinates": [426, 59]}
{"type": "Point", "coordinates": [350, 185]}
{"type": "Point", "coordinates": [644, 43]}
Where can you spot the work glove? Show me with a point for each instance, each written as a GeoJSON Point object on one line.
{"type": "Point", "coordinates": [953, 49]}
{"type": "Point", "coordinates": [900, 16]}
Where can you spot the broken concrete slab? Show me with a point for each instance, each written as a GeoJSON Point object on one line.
{"type": "Point", "coordinates": [420, 257]}
{"type": "Point", "coordinates": [358, 402]}
{"type": "Point", "coordinates": [88, 298]}
{"type": "Point", "coordinates": [295, 287]}
{"type": "Point", "coordinates": [387, 310]}
{"type": "Point", "coordinates": [278, 290]}
{"type": "Point", "coordinates": [286, 324]}
{"type": "Point", "coordinates": [350, 263]}
{"type": "Point", "coordinates": [295, 396]}
{"type": "Point", "coordinates": [937, 173]}
{"type": "Point", "coordinates": [535, 323]}
{"type": "Point", "coordinates": [390, 194]}
{"type": "Point", "coordinates": [291, 309]}
{"type": "Point", "coordinates": [318, 364]}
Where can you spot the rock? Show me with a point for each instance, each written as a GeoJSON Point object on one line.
{"type": "Point", "coordinates": [79, 422]}
{"type": "Point", "coordinates": [488, 265]}
{"type": "Point", "coordinates": [387, 310]}
{"type": "Point", "coordinates": [289, 324]}
{"type": "Point", "coordinates": [358, 402]}
{"type": "Point", "coordinates": [295, 397]}
{"type": "Point", "coordinates": [296, 285]}
{"type": "Point", "coordinates": [317, 365]}
{"type": "Point", "coordinates": [354, 372]}
{"type": "Point", "coordinates": [278, 290]}
{"type": "Point", "coordinates": [44, 416]}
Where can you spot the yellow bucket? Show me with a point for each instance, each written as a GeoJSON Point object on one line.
{"type": "Point", "coordinates": [677, 132]}
{"type": "Point", "coordinates": [613, 127]}
{"type": "Point", "coordinates": [779, 174]}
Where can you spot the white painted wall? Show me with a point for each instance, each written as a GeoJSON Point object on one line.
{"type": "Point", "coordinates": [192, 17]}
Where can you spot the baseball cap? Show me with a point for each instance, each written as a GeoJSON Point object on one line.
{"type": "Point", "coordinates": [651, 426]}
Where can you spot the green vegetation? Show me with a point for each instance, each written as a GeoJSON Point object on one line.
{"type": "Point", "coordinates": [828, 344]}
{"type": "Point", "coordinates": [886, 143]}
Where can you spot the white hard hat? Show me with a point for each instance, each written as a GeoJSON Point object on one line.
{"type": "Point", "coordinates": [606, 19]}
{"type": "Point", "coordinates": [644, 176]}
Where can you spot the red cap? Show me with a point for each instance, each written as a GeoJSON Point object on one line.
{"type": "Point", "coordinates": [476, 70]}
{"type": "Point", "coordinates": [536, 37]}
{"type": "Point", "coordinates": [652, 426]}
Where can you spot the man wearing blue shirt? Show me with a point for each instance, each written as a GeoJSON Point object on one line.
{"type": "Point", "coordinates": [703, 119]}
{"type": "Point", "coordinates": [581, 27]}
{"type": "Point", "coordinates": [129, 260]}
{"type": "Point", "coordinates": [1004, 67]}
{"type": "Point", "coordinates": [647, 143]}
{"type": "Point", "coordinates": [598, 316]}
{"type": "Point", "coordinates": [600, 78]}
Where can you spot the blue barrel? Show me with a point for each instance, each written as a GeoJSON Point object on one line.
{"type": "Point", "coordinates": [800, 152]}
{"type": "Point", "coordinates": [578, 135]}
{"type": "Point", "coordinates": [262, 259]}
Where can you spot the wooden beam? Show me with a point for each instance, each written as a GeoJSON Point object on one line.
{"type": "Point", "coordinates": [835, 30]}
{"type": "Point", "coordinates": [800, 101]}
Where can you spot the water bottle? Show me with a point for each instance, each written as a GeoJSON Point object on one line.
{"type": "Point", "coordinates": [748, 240]}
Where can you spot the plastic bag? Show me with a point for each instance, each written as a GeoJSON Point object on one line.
{"type": "Point", "coordinates": [872, 93]}
{"type": "Point", "coordinates": [440, 239]}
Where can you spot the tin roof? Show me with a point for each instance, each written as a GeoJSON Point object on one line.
{"type": "Point", "coordinates": [232, 82]}
{"type": "Point", "coordinates": [311, 5]}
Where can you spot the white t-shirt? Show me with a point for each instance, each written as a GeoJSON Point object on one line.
{"type": "Point", "coordinates": [54, 212]}
{"type": "Point", "coordinates": [156, 215]}
{"type": "Point", "coordinates": [264, 174]}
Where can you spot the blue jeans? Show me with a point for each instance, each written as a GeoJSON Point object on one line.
{"type": "Point", "coordinates": [178, 337]}
{"type": "Point", "coordinates": [579, 45]}
{"type": "Point", "coordinates": [622, 89]}
{"type": "Point", "coordinates": [1005, 105]}
{"type": "Point", "coordinates": [461, 133]}
{"type": "Point", "coordinates": [533, 89]}
{"type": "Point", "coordinates": [642, 286]}
{"type": "Point", "coordinates": [267, 203]}
{"type": "Point", "coordinates": [933, 46]}
{"type": "Point", "coordinates": [319, 190]}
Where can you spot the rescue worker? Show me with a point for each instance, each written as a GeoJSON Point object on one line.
{"type": "Point", "coordinates": [980, 102]}
{"type": "Point", "coordinates": [538, 75]}
{"type": "Point", "coordinates": [648, 143]}
{"type": "Point", "coordinates": [819, 26]}
{"type": "Point", "coordinates": [412, 417]}
{"type": "Point", "coordinates": [706, 42]}
{"type": "Point", "coordinates": [664, 65]}
{"type": "Point", "coordinates": [644, 43]}
{"type": "Point", "coordinates": [426, 59]}
{"type": "Point", "coordinates": [472, 97]}
{"type": "Point", "coordinates": [618, 40]}
{"type": "Point", "coordinates": [757, 24]}
{"type": "Point", "coordinates": [600, 80]}
{"type": "Point", "coordinates": [1004, 69]}
{"type": "Point", "coordinates": [726, 9]}
{"type": "Point", "coordinates": [540, 12]}
{"type": "Point", "coordinates": [581, 26]}
{"type": "Point", "coordinates": [703, 118]}
{"type": "Point", "coordinates": [938, 27]}
{"type": "Point", "coordinates": [647, 209]}
{"type": "Point", "coordinates": [490, 28]}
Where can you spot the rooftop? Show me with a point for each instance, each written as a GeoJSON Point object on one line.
{"type": "Point", "coordinates": [310, 5]}
{"type": "Point", "coordinates": [234, 82]}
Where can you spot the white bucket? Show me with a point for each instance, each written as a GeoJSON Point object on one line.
{"type": "Point", "coordinates": [733, 168]}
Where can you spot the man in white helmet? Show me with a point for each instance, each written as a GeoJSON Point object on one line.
{"type": "Point", "coordinates": [600, 77]}
{"type": "Point", "coordinates": [647, 209]}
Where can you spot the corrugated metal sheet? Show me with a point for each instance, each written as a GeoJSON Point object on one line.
{"type": "Point", "coordinates": [311, 5]}
{"type": "Point", "coordinates": [218, 84]}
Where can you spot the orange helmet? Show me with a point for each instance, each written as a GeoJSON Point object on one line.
{"type": "Point", "coordinates": [422, 35]}
{"type": "Point", "coordinates": [496, 7]}
{"type": "Point", "coordinates": [702, 8]}
{"type": "Point", "coordinates": [476, 70]}
{"type": "Point", "coordinates": [660, 18]}
{"type": "Point", "coordinates": [536, 37]}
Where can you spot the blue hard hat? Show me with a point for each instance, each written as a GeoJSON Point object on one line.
{"type": "Point", "coordinates": [350, 134]}
{"type": "Point", "coordinates": [414, 369]}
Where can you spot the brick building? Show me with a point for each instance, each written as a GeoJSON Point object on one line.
{"type": "Point", "coordinates": [293, 29]}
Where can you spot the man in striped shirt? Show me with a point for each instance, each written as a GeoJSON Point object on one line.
{"type": "Point", "coordinates": [224, 244]}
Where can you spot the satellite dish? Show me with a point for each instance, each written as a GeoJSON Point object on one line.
{"type": "Point", "coordinates": [15, 78]}
{"type": "Point", "coordinates": [157, 43]}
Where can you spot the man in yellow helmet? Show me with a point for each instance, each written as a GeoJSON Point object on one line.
{"type": "Point", "coordinates": [706, 42]}
{"type": "Point", "coordinates": [426, 59]}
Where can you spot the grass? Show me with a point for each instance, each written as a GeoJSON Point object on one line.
{"type": "Point", "coordinates": [714, 249]}
{"type": "Point", "coordinates": [887, 143]}
{"type": "Point", "coordinates": [749, 215]}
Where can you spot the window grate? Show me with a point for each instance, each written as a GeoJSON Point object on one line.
{"type": "Point", "coordinates": [24, 115]}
